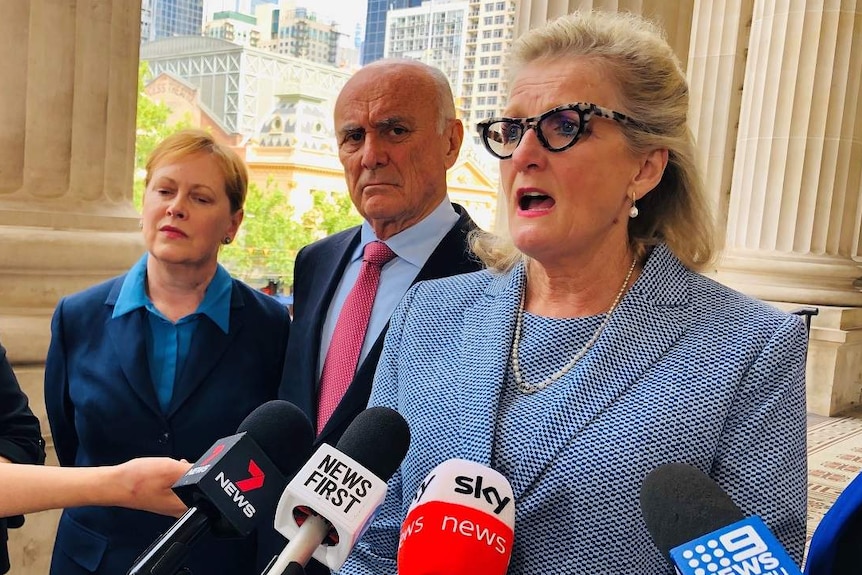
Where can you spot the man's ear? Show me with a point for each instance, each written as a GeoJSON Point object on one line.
{"type": "Point", "coordinates": [454, 136]}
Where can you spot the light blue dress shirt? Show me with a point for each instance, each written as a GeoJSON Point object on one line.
{"type": "Point", "coordinates": [412, 248]}
{"type": "Point", "coordinates": [168, 343]}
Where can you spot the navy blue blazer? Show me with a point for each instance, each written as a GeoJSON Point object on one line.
{"type": "Point", "coordinates": [103, 410]}
{"type": "Point", "coordinates": [686, 370]}
{"type": "Point", "coordinates": [317, 272]}
{"type": "Point", "coordinates": [20, 439]}
{"type": "Point", "coordinates": [318, 269]}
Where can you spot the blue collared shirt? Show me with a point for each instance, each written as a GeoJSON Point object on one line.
{"type": "Point", "coordinates": [168, 343]}
{"type": "Point", "coordinates": [412, 248]}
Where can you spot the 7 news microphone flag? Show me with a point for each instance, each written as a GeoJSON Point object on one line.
{"type": "Point", "coordinates": [232, 482]}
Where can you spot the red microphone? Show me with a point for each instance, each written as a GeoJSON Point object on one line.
{"type": "Point", "coordinates": [461, 520]}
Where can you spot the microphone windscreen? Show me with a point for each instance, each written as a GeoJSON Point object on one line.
{"type": "Point", "coordinates": [681, 503]}
{"type": "Point", "coordinates": [461, 520]}
{"type": "Point", "coordinates": [377, 439]}
{"type": "Point", "coordinates": [282, 431]}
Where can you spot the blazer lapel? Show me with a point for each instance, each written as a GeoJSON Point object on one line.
{"type": "Point", "coordinates": [209, 344]}
{"type": "Point", "coordinates": [489, 326]}
{"type": "Point", "coordinates": [326, 277]}
{"type": "Point", "coordinates": [644, 326]}
{"type": "Point", "coordinates": [127, 335]}
{"type": "Point", "coordinates": [450, 257]}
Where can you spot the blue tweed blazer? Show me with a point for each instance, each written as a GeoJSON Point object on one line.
{"type": "Point", "coordinates": [687, 370]}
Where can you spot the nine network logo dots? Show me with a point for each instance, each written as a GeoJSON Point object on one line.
{"type": "Point", "coordinates": [743, 548]}
{"type": "Point", "coordinates": [711, 556]}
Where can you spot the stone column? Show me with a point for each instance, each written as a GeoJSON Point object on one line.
{"type": "Point", "coordinates": [716, 67]}
{"type": "Point", "coordinates": [794, 229]}
{"type": "Point", "coordinates": [674, 17]}
{"type": "Point", "coordinates": [67, 129]}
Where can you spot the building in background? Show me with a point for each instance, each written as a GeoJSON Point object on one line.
{"type": "Point", "coordinates": [490, 31]}
{"type": "Point", "coordinates": [467, 40]}
{"type": "Point", "coordinates": [211, 7]}
{"type": "Point", "coordinates": [433, 33]}
{"type": "Point", "coordinates": [168, 18]}
{"type": "Point", "coordinates": [239, 85]}
{"type": "Point", "coordinates": [375, 26]}
{"type": "Point", "coordinates": [303, 33]}
{"type": "Point", "coordinates": [234, 27]}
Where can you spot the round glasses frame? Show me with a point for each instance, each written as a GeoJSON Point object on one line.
{"type": "Point", "coordinates": [585, 112]}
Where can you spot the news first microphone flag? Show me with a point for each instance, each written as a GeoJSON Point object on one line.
{"type": "Point", "coordinates": [343, 491]}
{"type": "Point", "coordinates": [461, 520]}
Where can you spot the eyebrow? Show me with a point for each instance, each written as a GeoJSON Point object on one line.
{"type": "Point", "coordinates": [391, 121]}
{"type": "Point", "coordinates": [170, 180]}
{"type": "Point", "coordinates": [384, 123]}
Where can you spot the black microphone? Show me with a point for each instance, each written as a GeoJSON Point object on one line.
{"type": "Point", "coordinates": [328, 504]}
{"type": "Point", "coordinates": [231, 482]}
{"type": "Point", "coordinates": [699, 529]}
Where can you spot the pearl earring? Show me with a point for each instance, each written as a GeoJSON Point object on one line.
{"type": "Point", "coordinates": [633, 211]}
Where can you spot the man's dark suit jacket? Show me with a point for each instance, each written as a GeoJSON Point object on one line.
{"type": "Point", "coordinates": [20, 439]}
{"type": "Point", "coordinates": [103, 410]}
{"type": "Point", "coordinates": [317, 271]}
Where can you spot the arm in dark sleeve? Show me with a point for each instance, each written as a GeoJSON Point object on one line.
{"type": "Point", "coordinates": [61, 416]}
{"type": "Point", "coordinates": [20, 436]}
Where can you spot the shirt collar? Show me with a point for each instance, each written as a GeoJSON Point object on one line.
{"type": "Point", "coordinates": [215, 305]}
{"type": "Point", "coordinates": [416, 243]}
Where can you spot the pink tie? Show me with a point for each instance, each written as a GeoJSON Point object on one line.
{"type": "Point", "coordinates": [343, 355]}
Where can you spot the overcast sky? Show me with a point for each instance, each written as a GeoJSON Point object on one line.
{"type": "Point", "coordinates": [346, 12]}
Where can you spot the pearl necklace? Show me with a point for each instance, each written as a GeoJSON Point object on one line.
{"type": "Point", "coordinates": [528, 388]}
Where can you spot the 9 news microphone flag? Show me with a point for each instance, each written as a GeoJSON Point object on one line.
{"type": "Point", "coordinates": [701, 531]}
{"type": "Point", "coordinates": [461, 521]}
{"type": "Point", "coordinates": [232, 482]}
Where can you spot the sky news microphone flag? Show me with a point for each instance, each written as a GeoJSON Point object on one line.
{"type": "Point", "coordinates": [332, 499]}
{"type": "Point", "coordinates": [701, 531]}
{"type": "Point", "coordinates": [461, 521]}
{"type": "Point", "coordinates": [228, 486]}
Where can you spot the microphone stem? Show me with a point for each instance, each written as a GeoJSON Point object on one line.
{"type": "Point", "coordinates": [166, 554]}
{"type": "Point", "coordinates": [302, 546]}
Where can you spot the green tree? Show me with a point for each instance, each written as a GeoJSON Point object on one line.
{"type": "Point", "coordinates": [151, 127]}
{"type": "Point", "coordinates": [271, 234]}
{"type": "Point", "coordinates": [268, 238]}
{"type": "Point", "coordinates": [330, 213]}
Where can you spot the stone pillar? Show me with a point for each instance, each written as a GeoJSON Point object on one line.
{"type": "Point", "coordinates": [67, 129]}
{"type": "Point", "coordinates": [674, 17]}
{"type": "Point", "coordinates": [794, 229]}
{"type": "Point", "coordinates": [716, 67]}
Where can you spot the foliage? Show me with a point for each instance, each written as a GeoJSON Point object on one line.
{"type": "Point", "coordinates": [330, 213]}
{"type": "Point", "coordinates": [271, 235]}
{"type": "Point", "coordinates": [268, 238]}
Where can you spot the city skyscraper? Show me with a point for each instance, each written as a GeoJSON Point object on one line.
{"type": "Point", "coordinates": [433, 33]}
{"type": "Point", "coordinates": [166, 18]}
{"type": "Point", "coordinates": [375, 26]}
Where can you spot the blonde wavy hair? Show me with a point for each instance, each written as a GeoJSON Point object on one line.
{"type": "Point", "coordinates": [652, 90]}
